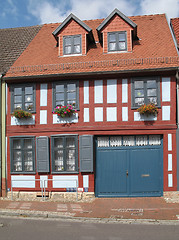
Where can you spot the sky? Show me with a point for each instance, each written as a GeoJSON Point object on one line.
{"type": "Point", "coordinates": [20, 13]}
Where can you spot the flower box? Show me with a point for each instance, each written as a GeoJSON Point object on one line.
{"type": "Point", "coordinates": [148, 109]}
{"type": "Point", "coordinates": [21, 114]}
{"type": "Point", "coordinates": [65, 111]}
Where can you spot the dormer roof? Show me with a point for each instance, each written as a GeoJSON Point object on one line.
{"type": "Point", "coordinates": [67, 20]}
{"type": "Point", "coordinates": [120, 14]}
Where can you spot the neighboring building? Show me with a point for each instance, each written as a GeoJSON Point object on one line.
{"type": "Point", "coordinates": [174, 23]}
{"type": "Point", "coordinates": [107, 68]}
{"type": "Point", "coordinates": [13, 41]}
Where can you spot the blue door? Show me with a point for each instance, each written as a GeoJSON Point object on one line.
{"type": "Point", "coordinates": [129, 171]}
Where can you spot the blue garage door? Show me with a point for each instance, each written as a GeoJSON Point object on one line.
{"type": "Point", "coordinates": [129, 166]}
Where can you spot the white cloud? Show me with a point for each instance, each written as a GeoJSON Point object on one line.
{"type": "Point", "coordinates": [9, 9]}
{"type": "Point", "coordinates": [170, 7]}
{"type": "Point", "coordinates": [57, 10]}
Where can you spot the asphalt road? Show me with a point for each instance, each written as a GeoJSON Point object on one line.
{"type": "Point", "coordinates": [33, 229]}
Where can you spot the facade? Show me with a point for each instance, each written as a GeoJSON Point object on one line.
{"type": "Point", "coordinates": [102, 71]}
{"type": "Point", "coordinates": [13, 42]}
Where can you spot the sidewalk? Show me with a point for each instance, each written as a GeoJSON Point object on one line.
{"type": "Point", "coordinates": [154, 208]}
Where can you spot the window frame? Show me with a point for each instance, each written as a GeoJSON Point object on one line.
{"type": "Point", "coordinates": [71, 37]}
{"type": "Point", "coordinates": [64, 138]}
{"type": "Point", "coordinates": [144, 79]}
{"type": "Point", "coordinates": [65, 83]}
{"type": "Point", "coordinates": [12, 87]}
{"type": "Point", "coordinates": [117, 41]}
{"type": "Point", "coordinates": [22, 138]}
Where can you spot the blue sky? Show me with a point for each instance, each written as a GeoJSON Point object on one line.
{"type": "Point", "coordinates": [19, 13]}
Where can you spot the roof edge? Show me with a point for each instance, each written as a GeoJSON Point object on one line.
{"type": "Point", "coordinates": [120, 14]}
{"type": "Point", "coordinates": [71, 16]}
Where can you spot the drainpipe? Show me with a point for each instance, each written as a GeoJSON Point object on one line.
{"type": "Point", "coordinates": [1, 75]}
{"type": "Point", "coordinates": [177, 132]}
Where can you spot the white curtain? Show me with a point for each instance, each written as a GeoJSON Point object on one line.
{"type": "Point", "coordinates": [103, 141]}
{"type": "Point", "coordinates": [116, 141]}
{"type": "Point", "coordinates": [128, 141]}
{"type": "Point", "coordinates": [154, 140]}
{"type": "Point", "coordinates": [141, 140]}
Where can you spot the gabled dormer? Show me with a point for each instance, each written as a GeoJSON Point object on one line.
{"type": "Point", "coordinates": [73, 37]}
{"type": "Point", "coordinates": [116, 33]}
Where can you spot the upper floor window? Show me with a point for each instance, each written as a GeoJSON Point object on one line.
{"type": "Point", "coordinates": [66, 93]}
{"type": "Point", "coordinates": [117, 41]}
{"type": "Point", "coordinates": [23, 97]}
{"type": "Point", "coordinates": [22, 154]}
{"type": "Point", "coordinates": [145, 91]}
{"type": "Point", "coordinates": [72, 44]}
{"type": "Point", "coordinates": [64, 153]}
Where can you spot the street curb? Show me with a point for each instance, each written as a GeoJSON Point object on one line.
{"type": "Point", "coordinates": [65, 217]}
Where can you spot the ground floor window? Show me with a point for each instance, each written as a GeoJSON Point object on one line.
{"type": "Point", "coordinates": [22, 154]}
{"type": "Point", "coordinates": [64, 151]}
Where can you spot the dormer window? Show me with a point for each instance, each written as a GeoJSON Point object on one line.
{"type": "Point", "coordinates": [117, 41]}
{"type": "Point", "coordinates": [72, 44]}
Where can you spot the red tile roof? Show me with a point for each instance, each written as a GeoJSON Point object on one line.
{"type": "Point", "coordinates": [154, 49]}
{"type": "Point", "coordinates": [175, 26]}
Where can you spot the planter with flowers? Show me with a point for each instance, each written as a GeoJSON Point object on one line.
{"type": "Point", "coordinates": [65, 111]}
{"type": "Point", "coordinates": [148, 109]}
{"type": "Point", "coordinates": [21, 114]}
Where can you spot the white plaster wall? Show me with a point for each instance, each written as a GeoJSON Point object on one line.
{"type": "Point", "coordinates": [170, 180]}
{"type": "Point", "coordinates": [98, 91]}
{"type": "Point", "coordinates": [20, 181]}
{"type": "Point", "coordinates": [166, 113]}
{"type": "Point", "coordinates": [112, 91]}
{"type": "Point", "coordinates": [124, 90]}
{"type": "Point", "coordinates": [98, 114]}
{"type": "Point", "coordinates": [169, 162]}
{"type": "Point", "coordinates": [111, 114]}
{"type": "Point", "coordinates": [65, 181]}
{"type": "Point", "coordinates": [124, 113]}
{"type": "Point", "coordinates": [43, 94]}
{"type": "Point", "coordinates": [139, 117]}
{"type": "Point", "coordinates": [15, 121]}
{"type": "Point", "coordinates": [72, 119]}
{"type": "Point", "coordinates": [43, 116]}
{"type": "Point", "coordinates": [165, 89]}
{"type": "Point", "coordinates": [86, 181]}
{"type": "Point", "coordinates": [86, 114]}
{"type": "Point", "coordinates": [42, 183]}
{"type": "Point", "coordinates": [169, 142]}
{"type": "Point", "coordinates": [86, 92]}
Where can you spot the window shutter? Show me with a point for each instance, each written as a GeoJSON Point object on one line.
{"type": "Point", "coordinates": [86, 153]}
{"type": "Point", "coordinates": [42, 154]}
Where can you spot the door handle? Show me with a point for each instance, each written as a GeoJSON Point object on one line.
{"type": "Point", "coordinates": [127, 173]}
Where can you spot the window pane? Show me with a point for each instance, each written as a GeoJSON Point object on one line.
{"type": "Point", "coordinates": [60, 103]}
{"type": "Point", "coordinates": [139, 93]}
{"type": "Point", "coordinates": [122, 45]}
{"type": "Point", "coordinates": [71, 87]}
{"type": "Point", "coordinates": [139, 101]}
{"type": "Point", "coordinates": [58, 143]}
{"type": "Point", "coordinates": [122, 36]}
{"type": "Point", "coordinates": [151, 92]}
{"type": "Point", "coordinates": [59, 162]}
{"type": "Point", "coordinates": [138, 84]}
{"type": "Point", "coordinates": [70, 142]}
{"type": "Point", "coordinates": [112, 46]}
{"type": "Point", "coordinates": [17, 91]}
{"type": "Point", "coordinates": [59, 88]}
{"type": "Point", "coordinates": [70, 160]}
{"type": "Point", "coordinates": [77, 40]}
{"type": "Point", "coordinates": [17, 99]}
{"type": "Point", "coordinates": [16, 144]}
{"type": "Point", "coordinates": [67, 41]}
{"type": "Point", "coordinates": [17, 156]}
{"type": "Point", "coordinates": [151, 84]}
{"type": "Point", "coordinates": [28, 90]}
{"type": "Point", "coordinates": [59, 96]}
{"type": "Point", "coordinates": [68, 50]}
{"type": "Point", "coordinates": [17, 166]}
{"type": "Point", "coordinates": [112, 37]}
{"type": "Point", "coordinates": [77, 49]}
{"type": "Point", "coordinates": [17, 106]}
{"type": "Point", "coordinates": [71, 95]}
{"type": "Point", "coordinates": [152, 100]}
{"type": "Point", "coordinates": [28, 98]}
{"type": "Point", "coordinates": [28, 143]}
{"type": "Point", "coordinates": [29, 106]}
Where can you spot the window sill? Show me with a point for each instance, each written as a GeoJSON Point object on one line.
{"type": "Point", "coordinates": [63, 173]}
{"type": "Point", "coordinates": [20, 173]}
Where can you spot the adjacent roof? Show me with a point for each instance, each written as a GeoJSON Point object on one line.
{"type": "Point", "coordinates": [120, 14]}
{"type": "Point", "coordinates": [13, 41]}
{"type": "Point", "coordinates": [154, 49]}
{"type": "Point", "coordinates": [175, 27]}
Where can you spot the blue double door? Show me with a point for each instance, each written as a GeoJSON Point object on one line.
{"type": "Point", "coordinates": [129, 171]}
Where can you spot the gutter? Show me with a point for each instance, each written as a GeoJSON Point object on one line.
{"type": "Point", "coordinates": [66, 75]}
